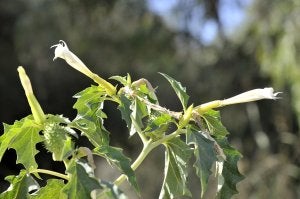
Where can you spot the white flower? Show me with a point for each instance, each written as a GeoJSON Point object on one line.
{"type": "Point", "coordinates": [252, 95]}
{"type": "Point", "coordinates": [62, 51]}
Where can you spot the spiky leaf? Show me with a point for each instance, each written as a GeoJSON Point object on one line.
{"type": "Point", "coordinates": [205, 155]}
{"type": "Point", "coordinates": [179, 90]}
{"type": "Point", "coordinates": [230, 172]}
{"type": "Point", "coordinates": [90, 116]}
{"type": "Point", "coordinates": [214, 124]}
{"type": "Point", "coordinates": [177, 156]}
{"type": "Point", "coordinates": [20, 186]}
{"type": "Point", "coordinates": [22, 136]}
{"type": "Point", "coordinates": [51, 190]}
{"type": "Point", "coordinates": [81, 182]}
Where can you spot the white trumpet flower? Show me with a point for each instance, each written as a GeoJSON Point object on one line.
{"type": "Point", "coordinates": [62, 51]}
{"type": "Point", "coordinates": [252, 95]}
{"type": "Point", "coordinates": [249, 96]}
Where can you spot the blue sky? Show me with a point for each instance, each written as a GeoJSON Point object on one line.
{"type": "Point", "coordinates": [232, 14]}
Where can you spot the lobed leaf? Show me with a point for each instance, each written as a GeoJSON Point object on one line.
{"type": "Point", "coordinates": [230, 171]}
{"type": "Point", "coordinates": [90, 116]}
{"type": "Point", "coordinates": [51, 190]}
{"type": "Point", "coordinates": [205, 155]}
{"type": "Point", "coordinates": [177, 156]}
{"type": "Point", "coordinates": [20, 186]}
{"type": "Point", "coordinates": [116, 157]}
{"type": "Point", "coordinates": [214, 124]}
{"type": "Point", "coordinates": [22, 136]}
{"type": "Point", "coordinates": [81, 182]}
{"type": "Point", "coordinates": [179, 90]}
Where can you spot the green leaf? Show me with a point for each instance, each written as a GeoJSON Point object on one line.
{"type": "Point", "coordinates": [158, 125]}
{"type": "Point", "coordinates": [90, 116]}
{"type": "Point", "coordinates": [230, 171]}
{"type": "Point", "coordinates": [179, 90]}
{"type": "Point", "coordinates": [214, 124]}
{"type": "Point", "coordinates": [110, 191]}
{"type": "Point", "coordinates": [122, 80]}
{"type": "Point", "coordinates": [51, 190]}
{"type": "Point", "coordinates": [133, 113]}
{"type": "Point", "coordinates": [20, 186]}
{"type": "Point", "coordinates": [81, 182]}
{"type": "Point", "coordinates": [22, 136]}
{"type": "Point", "coordinates": [177, 156]}
{"type": "Point", "coordinates": [116, 157]}
{"type": "Point", "coordinates": [124, 107]}
{"type": "Point", "coordinates": [204, 152]}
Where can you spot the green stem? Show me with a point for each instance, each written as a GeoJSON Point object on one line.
{"type": "Point", "coordinates": [148, 147]}
{"type": "Point", "coordinates": [53, 173]}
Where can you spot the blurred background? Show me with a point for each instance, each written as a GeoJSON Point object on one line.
{"type": "Point", "coordinates": [216, 48]}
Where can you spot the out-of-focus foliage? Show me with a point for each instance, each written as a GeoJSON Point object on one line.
{"type": "Point", "coordinates": [116, 37]}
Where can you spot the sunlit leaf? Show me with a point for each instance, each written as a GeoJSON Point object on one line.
{"type": "Point", "coordinates": [51, 190]}
{"type": "Point", "coordinates": [176, 169]}
{"type": "Point", "coordinates": [90, 116]}
{"type": "Point", "coordinates": [179, 90]}
{"type": "Point", "coordinates": [81, 182]}
{"type": "Point", "coordinates": [214, 124]}
{"type": "Point", "coordinates": [116, 157]}
{"type": "Point", "coordinates": [205, 155]}
{"type": "Point", "coordinates": [158, 125]}
{"type": "Point", "coordinates": [20, 186]}
{"type": "Point", "coordinates": [22, 136]}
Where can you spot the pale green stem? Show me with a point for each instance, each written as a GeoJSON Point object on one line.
{"type": "Point", "coordinates": [53, 173]}
{"type": "Point", "coordinates": [148, 147]}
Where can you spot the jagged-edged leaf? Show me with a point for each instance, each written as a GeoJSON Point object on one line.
{"type": "Point", "coordinates": [82, 181]}
{"type": "Point", "coordinates": [22, 136]}
{"type": "Point", "coordinates": [110, 191]}
{"type": "Point", "coordinates": [214, 124]}
{"type": "Point", "coordinates": [116, 157]}
{"type": "Point", "coordinates": [230, 171]}
{"type": "Point", "coordinates": [157, 125]}
{"type": "Point", "coordinates": [20, 186]}
{"type": "Point", "coordinates": [51, 190]}
{"type": "Point", "coordinates": [124, 107]}
{"type": "Point", "coordinates": [177, 156]}
{"type": "Point", "coordinates": [205, 155]}
{"type": "Point", "coordinates": [122, 80]}
{"type": "Point", "coordinates": [90, 116]}
{"type": "Point", "coordinates": [179, 90]}
{"type": "Point", "coordinates": [139, 111]}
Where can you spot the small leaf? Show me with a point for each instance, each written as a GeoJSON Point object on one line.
{"type": "Point", "coordinates": [51, 190]}
{"type": "Point", "coordinates": [214, 124]}
{"type": "Point", "coordinates": [124, 107]}
{"type": "Point", "coordinates": [176, 169]}
{"type": "Point", "coordinates": [22, 136]}
{"type": "Point", "coordinates": [116, 157]}
{"type": "Point", "coordinates": [120, 79]}
{"type": "Point", "coordinates": [205, 156]}
{"type": "Point", "coordinates": [179, 90]}
{"type": "Point", "coordinates": [90, 116]}
{"type": "Point", "coordinates": [81, 182]}
{"type": "Point", "coordinates": [158, 125]}
{"type": "Point", "coordinates": [230, 172]}
{"type": "Point", "coordinates": [20, 186]}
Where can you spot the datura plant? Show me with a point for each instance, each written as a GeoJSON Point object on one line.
{"type": "Point", "coordinates": [196, 131]}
